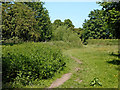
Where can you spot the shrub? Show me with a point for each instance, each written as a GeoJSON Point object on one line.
{"type": "Point", "coordinates": [12, 40]}
{"type": "Point", "coordinates": [62, 33]}
{"type": "Point", "coordinates": [30, 61]}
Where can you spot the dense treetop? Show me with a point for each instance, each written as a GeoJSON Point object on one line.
{"type": "Point", "coordinates": [27, 21]}
{"type": "Point", "coordinates": [103, 24]}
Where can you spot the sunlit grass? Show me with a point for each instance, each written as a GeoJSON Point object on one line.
{"type": "Point", "coordinates": [98, 61]}
{"type": "Point", "coordinates": [94, 65]}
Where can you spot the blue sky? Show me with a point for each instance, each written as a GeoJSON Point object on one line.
{"type": "Point", "coordinates": [77, 12]}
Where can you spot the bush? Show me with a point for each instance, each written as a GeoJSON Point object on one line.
{"type": "Point", "coordinates": [30, 61]}
{"type": "Point", "coordinates": [62, 33]}
{"type": "Point", "coordinates": [13, 40]}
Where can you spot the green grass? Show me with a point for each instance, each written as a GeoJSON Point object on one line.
{"type": "Point", "coordinates": [102, 41]}
{"type": "Point", "coordinates": [98, 61]}
{"type": "Point", "coordinates": [94, 64]}
{"type": "Point", "coordinates": [65, 45]}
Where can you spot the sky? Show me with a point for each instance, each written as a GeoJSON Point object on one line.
{"type": "Point", "coordinates": [77, 12]}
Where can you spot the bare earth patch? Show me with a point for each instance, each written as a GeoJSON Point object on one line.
{"type": "Point", "coordinates": [78, 80]}
{"type": "Point", "coordinates": [61, 80]}
{"type": "Point", "coordinates": [77, 69]}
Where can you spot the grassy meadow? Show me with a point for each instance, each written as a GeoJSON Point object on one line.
{"type": "Point", "coordinates": [47, 61]}
{"type": "Point", "coordinates": [97, 62]}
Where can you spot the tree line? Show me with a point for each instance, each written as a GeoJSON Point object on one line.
{"type": "Point", "coordinates": [30, 21]}
{"type": "Point", "coordinates": [104, 23]}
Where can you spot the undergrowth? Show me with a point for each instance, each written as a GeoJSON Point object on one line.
{"type": "Point", "coordinates": [25, 63]}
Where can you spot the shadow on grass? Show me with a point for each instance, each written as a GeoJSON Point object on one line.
{"type": "Point", "coordinates": [11, 44]}
{"type": "Point", "coordinates": [115, 62]}
{"type": "Point", "coordinates": [118, 68]}
{"type": "Point", "coordinates": [116, 55]}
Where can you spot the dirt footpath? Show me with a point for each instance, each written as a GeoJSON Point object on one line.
{"type": "Point", "coordinates": [65, 77]}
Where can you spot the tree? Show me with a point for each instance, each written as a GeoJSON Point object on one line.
{"type": "Point", "coordinates": [18, 21]}
{"type": "Point", "coordinates": [0, 13]}
{"type": "Point", "coordinates": [96, 27]}
{"type": "Point", "coordinates": [26, 20]}
{"type": "Point", "coordinates": [112, 10]}
{"type": "Point", "coordinates": [58, 22]}
{"type": "Point", "coordinates": [63, 33]}
{"type": "Point", "coordinates": [43, 19]}
{"type": "Point", "coordinates": [79, 31]}
{"type": "Point", "coordinates": [68, 23]}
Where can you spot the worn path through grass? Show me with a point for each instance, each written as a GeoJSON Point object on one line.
{"type": "Point", "coordinates": [95, 64]}
{"type": "Point", "coordinates": [66, 76]}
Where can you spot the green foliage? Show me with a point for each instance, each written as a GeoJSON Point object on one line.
{"type": "Point", "coordinates": [30, 61]}
{"type": "Point", "coordinates": [43, 19]}
{"type": "Point", "coordinates": [95, 81]}
{"type": "Point", "coordinates": [102, 41]}
{"type": "Point", "coordinates": [112, 10]}
{"type": "Point", "coordinates": [96, 27]}
{"type": "Point", "coordinates": [58, 22]}
{"type": "Point", "coordinates": [18, 22]}
{"type": "Point", "coordinates": [68, 23]}
{"type": "Point", "coordinates": [28, 21]}
{"type": "Point", "coordinates": [13, 40]}
{"type": "Point", "coordinates": [79, 31]}
{"type": "Point", "coordinates": [64, 45]}
{"type": "Point", "coordinates": [63, 33]}
{"type": "Point", "coordinates": [103, 24]}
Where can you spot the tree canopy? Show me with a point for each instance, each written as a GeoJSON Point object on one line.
{"type": "Point", "coordinates": [112, 10]}
{"type": "Point", "coordinates": [27, 21]}
{"type": "Point", "coordinates": [104, 23]}
{"type": "Point", "coordinates": [68, 23]}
